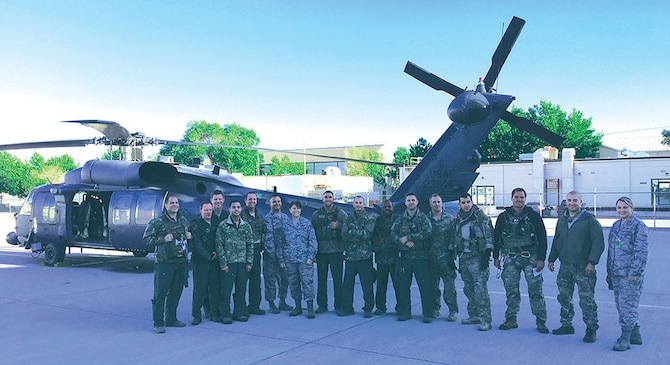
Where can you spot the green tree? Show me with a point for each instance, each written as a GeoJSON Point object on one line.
{"type": "Point", "coordinates": [377, 172]}
{"type": "Point", "coordinates": [14, 175]}
{"type": "Point", "coordinates": [285, 166]}
{"type": "Point", "coordinates": [244, 158]}
{"type": "Point", "coordinates": [666, 137]}
{"type": "Point", "coordinates": [401, 156]}
{"type": "Point", "coordinates": [504, 143]}
{"type": "Point", "coordinates": [420, 148]}
{"type": "Point", "coordinates": [113, 154]}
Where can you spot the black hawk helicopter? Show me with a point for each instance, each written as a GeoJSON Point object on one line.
{"type": "Point", "coordinates": [107, 204]}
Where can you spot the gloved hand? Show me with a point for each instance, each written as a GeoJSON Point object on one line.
{"type": "Point", "coordinates": [484, 260]}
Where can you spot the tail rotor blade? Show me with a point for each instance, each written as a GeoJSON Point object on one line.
{"type": "Point", "coordinates": [533, 128]}
{"type": "Point", "coordinates": [431, 79]}
{"type": "Point", "coordinates": [503, 50]}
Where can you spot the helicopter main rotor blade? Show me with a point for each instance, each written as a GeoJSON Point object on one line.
{"type": "Point", "coordinates": [277, 151]}
{"type": "Point", "coordinates": [503, 50]}
{"type": "Point", "coordinates": [48, 144]}
{"type": "Point", "coordinates": [431, 79]}
{"type": "Point", "coordinates": [112, 130]}
{"type": "Point", "coordinates": [533, 128]}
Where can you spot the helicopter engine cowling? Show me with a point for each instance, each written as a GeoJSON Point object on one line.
{"type": "Point", "coordinates": [125, 173]}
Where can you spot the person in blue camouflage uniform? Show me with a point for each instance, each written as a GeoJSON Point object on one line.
{"type": "Point", "coordinates": [205, 264]}
{"type": "Point", "coordinates": [274, 241]}
{"type": "Point", "coordinates": [386, 256]}
{"type": "Point", "coordinates": [168, 234]}
{"type": "Point", "coordinates": [412, 233]}
{"type": "Point", "coordinates": [297, 259]}
{"type": "Point", "coordinates": [627, 252]}
{"type": "Point", "coordinates": [442, 258]}
{"type": "Point", "coordinates": [473, 242]}
{"type": "Point", "coordinates": [357, 236]}
{"type": "Point", "coordinates": [520, 236]}
{"type": "Point", "coordinates": [235, 249]}
{"type": "Point", "coordinates": [252, 216]}
{"type": "Point", "coordinates": [578, 243]}
{"type": "Point", "coordinates": [327, 222]}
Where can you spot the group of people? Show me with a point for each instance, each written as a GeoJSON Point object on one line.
{"type": "Point", "coordinates": [431, 248]}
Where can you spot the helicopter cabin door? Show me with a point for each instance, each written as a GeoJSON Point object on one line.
{"type": "Point", "coordinates": [129, 214]}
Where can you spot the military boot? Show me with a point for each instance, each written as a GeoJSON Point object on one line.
{"type": "Point", "coordinates": [590, 335]}
{"type": "Point", "coordinates": [310, 309]}
{"type": "Point", "coordinates": [510, 322]}
{"type": "Point", "coordinates": [635, 336]}
{"type": "Point", "coordinates": [297, 310]}
{"type": "Point", "coordinates": [273, 307]}
{"type": "Point", "coordinates": [541, 326]}
{"type": "Point", "coordinates": [623, 343]}
{"type": "Point", "coordinates": [283, 305]}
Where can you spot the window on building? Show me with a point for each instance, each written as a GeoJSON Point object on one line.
{"type": "Point", "coordinates": [483, 194]}
{"type": "Point", "coordinates": [660, 192]}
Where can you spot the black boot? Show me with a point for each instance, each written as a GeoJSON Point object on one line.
{"type": "Point", "coordinates": [310, 309]}
{"type": "Point", "coordinates": [273, 307]}
{"type": "Point", "coordinates": [283, 305]}
{"type": "Point", "coordinates": [297, 310]}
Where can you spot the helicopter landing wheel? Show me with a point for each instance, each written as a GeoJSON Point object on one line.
{"type": "Point", "coordinates": [54, 253]}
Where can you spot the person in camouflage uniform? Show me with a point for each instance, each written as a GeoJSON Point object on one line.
{"type": "Point", "coordinates": [386, 256]}
{"type": "Point", "coordinates": [205, 265]}
{"type": "Point", "coordinates": [274, 241]}
{"type": "Point", "coordinates": [297, 259]}
{"type": "Point", "coordinates": [357, 237]}
{"type": "Point", "coordinates": [412, 232]}
{"type": "Point", "coordinates": [473, 242]}
{"type": "Point", "coordinates": [168, 234]}
{"type": "Point", "coordinates": [442, 258]}
{"type": "Point", "coordinates": [252, 216]}
{"type": "Point", "coordinates": [235, 249]}
{"type": "Point", "coordinates": [578, 243]}
{"type": "Point", "coordinates": [520, 236]}
{"type": "Point", "coordinates": [627, 251]}
{"type": "Point", "coordinates": [327, 222]}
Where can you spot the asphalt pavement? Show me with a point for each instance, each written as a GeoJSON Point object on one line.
{"type": "Point", "coordinates": [96, 309]}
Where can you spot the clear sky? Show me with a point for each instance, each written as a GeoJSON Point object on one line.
{"type": "Point", "coordinates": [319, 73]}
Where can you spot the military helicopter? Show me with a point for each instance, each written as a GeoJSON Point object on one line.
{"type": "Point", "coordinates": [107, 204]}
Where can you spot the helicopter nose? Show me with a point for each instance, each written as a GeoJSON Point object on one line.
{"type": "Point", "coordinates": [468, 107]}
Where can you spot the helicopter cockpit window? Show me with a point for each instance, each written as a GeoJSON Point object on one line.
{"type": "Point", "coordinates": [27, 207]}
{"type": "Point", "coordinates": [121, 211]}
{"type": "Point", "coordinates": [48, 208]}
{"type": "Point", "coordinates": [145, 209]}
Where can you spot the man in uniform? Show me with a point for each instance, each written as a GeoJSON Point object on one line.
{"type": "Point", "coordinates": [412, 231]}
{"type": "Point", "coordinates": [218, 213]}
{"type": "Point", "coordinates": [473, 241]}
{"type": "Point", "coordinates": [386, 255]}
{"type": "Point", "coordinates": [218, 216]}
{"type": "Point", "coordinates": [251, 215]}
{"type": "Point", "coordinates": [442, 258]}
{"type": "Point", "coordinates": [521, 238]}
{"type": "Point", "coordinates": [328, 221]}
{"type": "Point", "coordinates": [357, 237]}
{"type": "Point", "coordinates": [578, 243]}
{"type": "Point", "coordinates": [168, 234]}
{"type": "Point", "coordinates": [234, 249]}
{"type": "Point", "coordinates": [205, 264]}
{"type": "Point", "coordinates": [275, 241]}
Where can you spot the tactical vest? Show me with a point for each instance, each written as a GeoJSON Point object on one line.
{"type": "Point", "coordinates": [519, 232]}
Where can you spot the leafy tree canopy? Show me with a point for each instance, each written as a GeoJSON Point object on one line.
{"type": "Point", "coordinates": [285, 166]}
{"type": "Point", "coordinates": [377, 172]}
{"type": "Point", "coordinates": [666, 137]}
{"type": "Point", "coordinates": [504, 143]}
{"type": "Point", "coordinates": [18, 177]}
{"type": "Point", "coordinates": [243, 160]}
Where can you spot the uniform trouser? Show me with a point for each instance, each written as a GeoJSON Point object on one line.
{"type": "Point", "coordinates": [275, 277]}
{"type": "Point", "coordinates": [442, 270]}
{"type": "Point", "coordinates": [235, 277]}
{"type": "Point", "coordinates": [569, 275]}
{"type": "Point", "coordinates": [511, 277]}
{"type": "Point", "coordinates": [420, 269]}
{"type": "Point", "coordinates": [334, 261]}
{"type": "Point", "coordinates": [366, 275]}
{"type": "Point", "coordinates": [168, 285]}
{"type": "Point", "coordinates": [206, 285]}
{"type": "Point", "coordinates": [255, 280]}
{"type": "Point", "coordinates": [300, 281]}
{"type": "Point", "coordinates": [383, 273]}
{"type": "Point", "coordinates": [475, 287]}
{"type": "Point", "coordinates": [627, 297]}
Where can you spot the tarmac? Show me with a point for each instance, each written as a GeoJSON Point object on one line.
{"type": "Point", "coordinates": [95, 308]}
